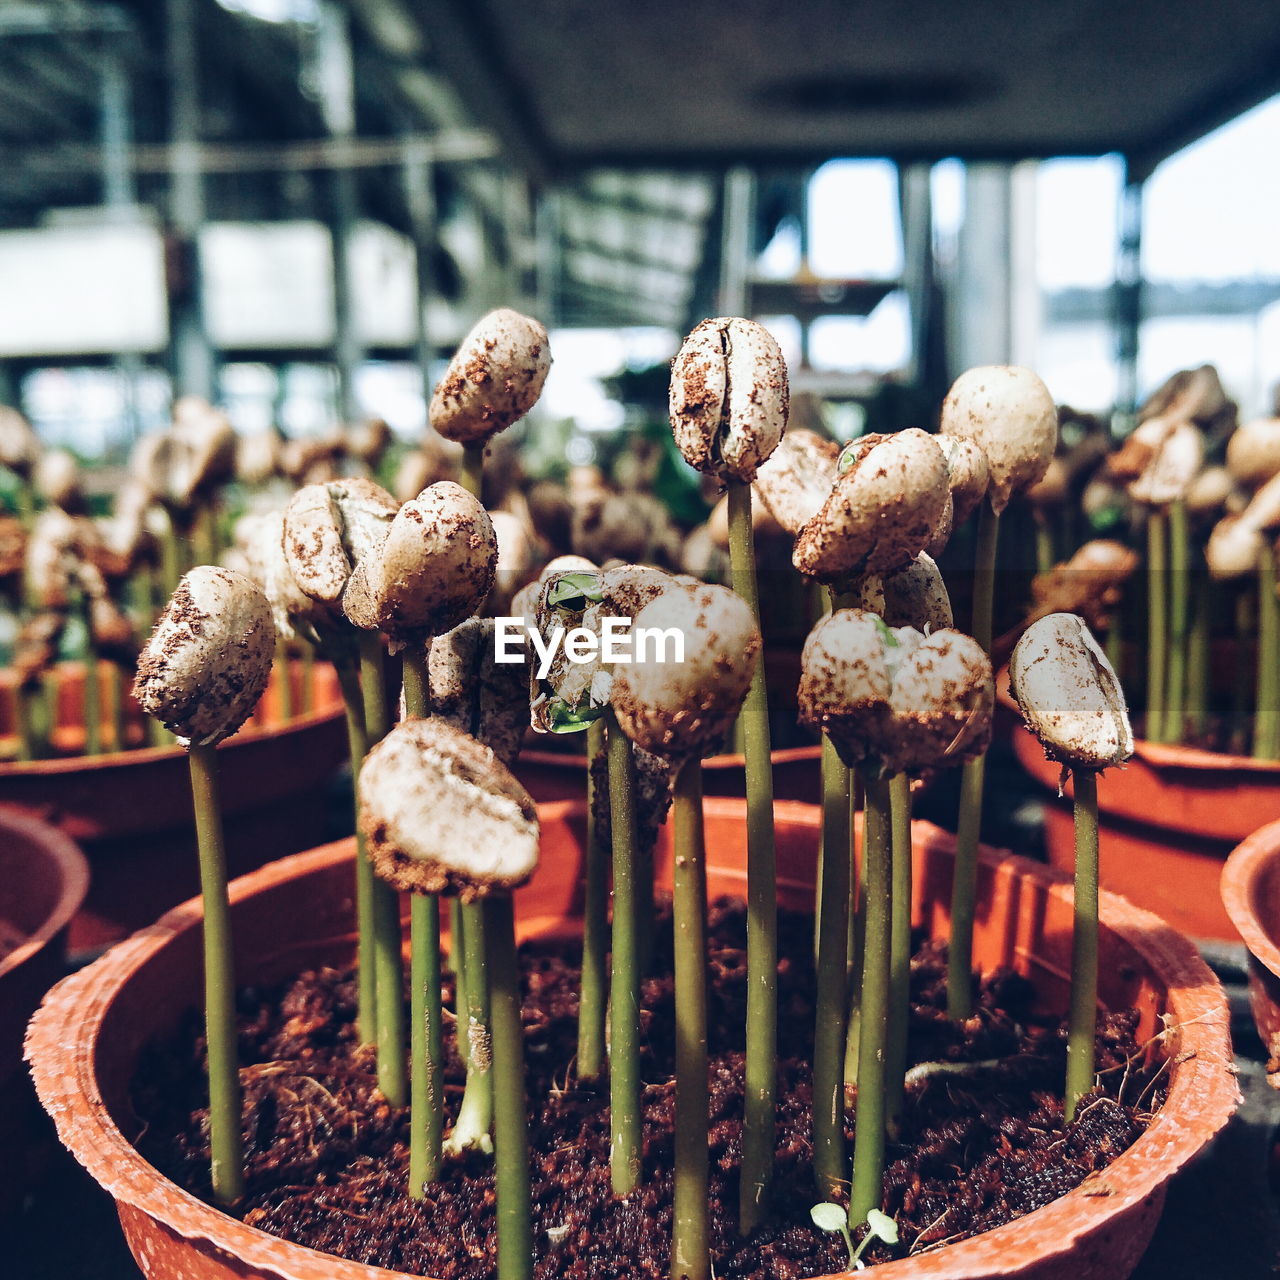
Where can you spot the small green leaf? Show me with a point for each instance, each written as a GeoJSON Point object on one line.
{"type": "Point", "coordinates": [882, 1226]}
{"type": "Point", "coordinates": [828, 1217]}
{"type": "Point", "coordinates": [563, 718]}
{"type": "Point", "coordinates": [574, 591]}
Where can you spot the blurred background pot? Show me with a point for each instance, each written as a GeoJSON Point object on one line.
{"type": "Point", "coordinates": [43, 879]}
{"type": "Point", "coordinates": [130, 811]}
{"type": "Point", "coordinates": [1251, 896]}
{"type": "Point", "coordinates": [297, 912]}
{"type": "Point", "coordinates": [1169, 818]}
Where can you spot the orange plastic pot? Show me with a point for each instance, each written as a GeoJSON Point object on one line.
{"type": "Point", "coordinates": [43, 878]}
{"type": "Point", "coordinates": [130, 811]}
{"type": "Point", "coordinates": [1251, 896]}
{"type": "Point", "coordinates": [1169, 818]}
{"type": "Point", "coordinates": [84, 1043]}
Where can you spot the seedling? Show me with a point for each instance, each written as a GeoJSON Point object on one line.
{"type": "Point", "coordinates": [832, 1218]}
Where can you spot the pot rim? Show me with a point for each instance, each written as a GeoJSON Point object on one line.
{"type": "Point", "coordinates": [1202, 1089]}
{"type": "Point", "coordinates": [1159, 755]}
{"type": "Point", "coordinates": [58, 765]}
{"type": "Point", "coordinates": [73, 874]}
{"type": "Point", "coordinates": [1239, 875]}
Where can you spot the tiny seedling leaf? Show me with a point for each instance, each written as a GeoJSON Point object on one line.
{"type": "Point", "coordinates": [828, 1217]}
{"type": "Point", "coordinates": [882, 1226]}
{"type": "Point", "coordinates": [574, 591]}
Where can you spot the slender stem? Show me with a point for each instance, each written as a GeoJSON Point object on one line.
{"type": "Point", "coordinates": [594, 993]}
{"type": "Point", "coordinates": [1044, 544]}
{"type": "Point", "coordinates": [869, 1136]}
{"type": "Point", "coordinates": [1115, 645]}
{"type": "Point", "coordinates": [284, 679]}
{"type": "Point", "coordinates": [1266, 734]}
{"type": "Point", "coordinates": [857, 936]}
{"type": "Point", "coordinates": [1243, 692]}
{"type": "Point", "coordinates": [475, 1117]}
{"type": "Point", "coordinates": [984, 577]}
{"type": "Point", "coordinates": [1198, 657]}
{"type": "Point", "coordinates": [510, 1125]}
{"type": "Point", "coordinates": [690, 1243]}
{"type": "Point", "coordinates": [1084, 944]}
{"type": "Point", "coordinates": [455, 958]}
{"type": "Point", "coordinates": [119, 719]}
{"type": "Point", "coordinates": [28, 735]}
{"type": "Point", "coordinates": [473, 469]}
{"type": "Point", "coordinates": [388, 962]}
{"type": "Point", "coordinates": [1157, 624]}
{"type": "Point", "coordinates": [170, 557]}
{"type": "Point", "coordinates": [899, 949]}
{"type": "Point", "coordinates": [219, 981]}
{"type": "Point", "coordinates": [969, 820]}
{"type": "Point", "coordinates": [762, 896]}
{"type": "Point", "coordinates": [829, 1165]}
{"type": "Point", "coordinates": [1179, 587]}
{"type": "Point", "coordinates": [91, 705]}
{"type": "Point", "coordinates": [426, 1052]}
{"type": "Point", "coordinates": [357, 745]}
{"type": "Point", "coordinates": [426, 1078]}
{"type": "Point", "coordinates": [625, 1125]}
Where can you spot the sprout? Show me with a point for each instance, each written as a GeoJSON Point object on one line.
{"type": "Point", "coordinates": [1253, 452]}
{"type": "Point", "coordinates": [1069, 695]}
{"type": "Point", "coordinates": [493, 380]}
{"type": "Point", "coordinates": [729, 397]}
{"type": "Point", "coordinates": [889, 496]}
{"type": "Point", "coordinates": [209, 657]}
{"type": "Point", "coordinates": [682, 710]}
{"type": "Point", "coordinates": [330, 528]}
{"type": "Point", "coordinates": [1008, 412]}
{"type": "Point", "coordinates": [968, 474]}
{"type": "Point", "coordinates": [796, 479]}
{"type": "Point", "coordinates": [1174, 454]}
{"type": "Point", "coordinates": [57, 480]}
{"type": "Point", "coordinates": [434, 568]}
{"type": "Point", "coordinates": [1234, 547]}
{"type": "Point", "coordinates": [914, 597]}
{"type": "Point", "coordinates": [441, 813]}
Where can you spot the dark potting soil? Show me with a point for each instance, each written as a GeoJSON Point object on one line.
{"type": "Point", "coordinates": [327, 1157]}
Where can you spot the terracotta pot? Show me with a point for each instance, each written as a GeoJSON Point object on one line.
{"type": "Point", "coordinates": [84, 1043]}
{"type": "Point", "coordinates": [1169, 819]}
{"type": "Point", "coordinates": [43, 878]}
{"type": "Point", "coordinates": [561, 775]}
{"type": "Point", "coordinates": [131, 811]}
{"type": "Point", "coordinates": [1251, 895]}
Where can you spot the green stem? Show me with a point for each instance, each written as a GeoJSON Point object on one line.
{"type": "Point", "coordinates": [857, 934]}
{"type": "Point", "coordinates": [593, 994]}
{"type": "Point", "coordinates": [170, 557]}
{"type": "Point", "coordinates": [1044, 544]}
{"type": "Point", "coordinates": [426, 1078]}
{"type": "Point", "coordinates": [388, 961]}
{"type": "Point", "coordinates": [762, 895]}
{"type": "Point", "coordinates": [1157, 625]}
{"type": "Point", "coordinates": [899, 950]}
{"type": "Point", "coordinates": [1179, 584]}
{"type": "Point", "coordinates": [284, 679]}
{"type": "Point", "coordinates": [426, 1052]}
{"type": "Point", "coordinates": [1084, 944]}
{"type": "Point", "coordinates": [357, 746]}
{"type": "Point", "coordinates": [91, 704]}
{"type": "Point", "coordinates": [969, 820]}
{"type": "Point", "coordinates": [119, 718]}
{"type": "Point", "coordinates": [869, 1136]}
{"type": "Point", "coordinates": [1115, 644]}
{"type": "Point", "coordinates": [690, 1243]}
{"type": "Point", "coordinates": [831, 1005]}
{"type": "Point", "coordinates": [1198, 658]}
{"type": "Point", "coordinates": [510, 1125]}
{"type": "Point", "coordinates": [455, 959]}
{"type": "Point", "coordinates": [1266, 735]}
{"type": "Point", "coordinates": [472, 475]}
{"type": "Point", "coordinates": [625, 1123]}
{"type": "Point", "coordinates": [219, 982]}
{"type": "Point", "coordinates": [475, 1038]}
{"type": "Point", "coordinates": [1242, 693]}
